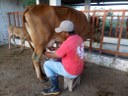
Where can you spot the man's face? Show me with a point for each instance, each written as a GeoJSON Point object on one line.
{"type": "Point", "coordinates": [64, 35]}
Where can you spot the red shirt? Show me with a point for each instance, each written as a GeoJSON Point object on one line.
{"type": "Point", "coordinates": [72, 51]}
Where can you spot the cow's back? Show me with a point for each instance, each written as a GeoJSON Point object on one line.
{"type": "Point", "coordinates": [82, 27]}
{"type": "Point", "coordinates": [44, 19]}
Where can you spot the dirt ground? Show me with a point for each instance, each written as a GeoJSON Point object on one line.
{"type": "Point", "coordinates": [18, 78]}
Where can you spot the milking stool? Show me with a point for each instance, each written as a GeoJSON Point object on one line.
{"type": "Point", "coordinates": [71, 82]}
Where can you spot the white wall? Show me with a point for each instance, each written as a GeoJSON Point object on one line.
{"type": "Point", "coordinates": [7, 6]}
{"type": "Point", "coordinates": [55, 2]}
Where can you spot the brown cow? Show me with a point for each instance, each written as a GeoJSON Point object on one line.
{"type": "Point", "coordinates": [96, 27]}
{"type": "Point", "coordinates": [40, 22]}
{"type": "Point", "coordinates": [15, 31]}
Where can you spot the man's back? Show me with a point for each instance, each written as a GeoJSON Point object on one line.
{"type": "Point", "coordinates": [72, 51]}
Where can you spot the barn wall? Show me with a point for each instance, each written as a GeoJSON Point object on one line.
{"type": "Point", "coordinates": [7, 6]}
{"type": "Point", "coordinates": [107, 61]}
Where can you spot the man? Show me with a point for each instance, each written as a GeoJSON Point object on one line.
{"type": "Point", "coordinates": [71, 51]}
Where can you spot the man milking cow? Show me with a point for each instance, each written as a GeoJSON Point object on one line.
{"type": "Point", "coordinates": [71, 51]}
{"type": "Point", "coordinates": [39, 24]}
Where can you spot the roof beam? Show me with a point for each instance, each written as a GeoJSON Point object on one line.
{"type": "Point", "coordinates": [92, 1]}
{"type": "Point", "coordinates": [98, 4]}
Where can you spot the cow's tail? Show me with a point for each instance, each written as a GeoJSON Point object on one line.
{"type": "Point", "coordinates": [24, 27]}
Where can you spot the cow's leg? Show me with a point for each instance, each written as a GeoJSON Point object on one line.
{"type": "Point", "coordinates": [9, 40]}
{"type": "Point", "coordinates": [36, 61]}
{"type": "Point", "coordinates": [22, 44]}
{"type": "Point", "coordinates": [13, 37]}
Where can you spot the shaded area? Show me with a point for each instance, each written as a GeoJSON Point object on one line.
{"type": "Point", "coordinates": [17, 78]}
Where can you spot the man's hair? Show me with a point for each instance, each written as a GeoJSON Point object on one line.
{"type": "Point", "coordinates": [71, 32]}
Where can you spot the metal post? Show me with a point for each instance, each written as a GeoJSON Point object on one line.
{"type": "Point", "coordinates": [87, 7]}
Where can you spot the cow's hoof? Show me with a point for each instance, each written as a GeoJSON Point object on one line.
{"type": "Point", "coordinates": [43, 79]}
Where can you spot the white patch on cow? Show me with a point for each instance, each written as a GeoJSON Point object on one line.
{"type": "Point", "coordinates": [28, 29]}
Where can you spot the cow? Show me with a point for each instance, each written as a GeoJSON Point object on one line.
{"type": "Point", "coordinates": [39, 22]}
{"type": "Point", "coordinates": [13, 32]}
{"type": "Point", "coordinates": [96, 27]}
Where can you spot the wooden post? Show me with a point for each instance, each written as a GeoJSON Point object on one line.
{"type": "Point", "coordinates": [126, 36]}
{"type": "Point", "coordinates": [92, 30]}
{"type": "Point", "coordinates": [18, 19]}
{"type": "Point", "coordinates": [117, 26]}
{"type": "Point", "coordinates": [110, 31]}
{"type": "Point", "coordinates": [102, 34]}
{"type": "Point", "coordinates": [14, 19]}
{"type": "Point", "coordinates": [9, 19]}
{"type": "Point", "coordinates": [120, 34]}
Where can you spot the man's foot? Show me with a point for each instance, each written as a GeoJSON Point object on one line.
{"type": "Point", "coordinates": [50, 91]}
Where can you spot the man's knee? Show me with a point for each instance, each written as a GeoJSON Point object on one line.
{"type": "Point", "coordinates": [47, 63]}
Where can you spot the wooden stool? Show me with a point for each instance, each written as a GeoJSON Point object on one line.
{"type": "Point", "coordinates": [70, 83]}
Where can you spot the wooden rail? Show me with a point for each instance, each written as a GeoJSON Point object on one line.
{"type": "Point", "coordinates": [120, 21]}
{"type": "Point", "coordinates": [15, 18]}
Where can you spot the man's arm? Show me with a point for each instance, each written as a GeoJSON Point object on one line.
{"type": "Point", "coordinates": [52, 55]}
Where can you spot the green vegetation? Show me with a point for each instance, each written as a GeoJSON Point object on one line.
{"type": "Point", "coordinates": [28, 2]}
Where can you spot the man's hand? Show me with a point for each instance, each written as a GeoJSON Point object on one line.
{"type": "Point", "coordinates": [47, 54]}
{"type": "Point", "coordinates": [51, 55]}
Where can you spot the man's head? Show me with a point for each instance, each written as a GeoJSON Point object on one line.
{"type": "Point", "coordinates": [66, 28]}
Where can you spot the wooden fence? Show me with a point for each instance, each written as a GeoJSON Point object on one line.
{"type": "Point", "coordinates": [121, 27]}
{"type": "Point", "coordinates": [15, 18]}
{"type": "Point", "coordinates": [116, 28]}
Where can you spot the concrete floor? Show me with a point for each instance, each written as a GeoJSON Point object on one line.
{"type": "Point", "coordinates": [17, 78]}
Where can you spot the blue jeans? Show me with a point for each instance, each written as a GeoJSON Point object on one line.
{"type": "Point", "coordinates": [53, 68]}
